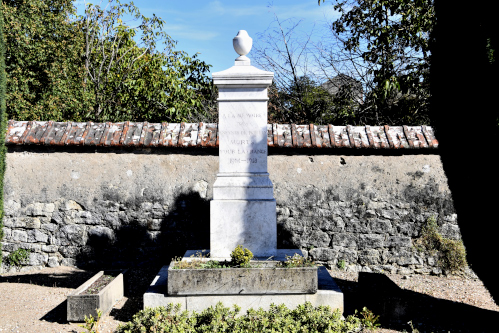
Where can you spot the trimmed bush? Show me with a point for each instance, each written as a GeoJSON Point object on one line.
{"type": "Point", "coordinates": [305, 318]}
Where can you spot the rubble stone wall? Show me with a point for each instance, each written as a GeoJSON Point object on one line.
{"type": "Point", "coordinates": [85, 206]}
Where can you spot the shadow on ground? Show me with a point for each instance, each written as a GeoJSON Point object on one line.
{"type": "Point", "coordinates": [396, 307]}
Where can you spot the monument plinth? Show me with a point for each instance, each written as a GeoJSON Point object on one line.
{"type": "Point", "coordinates": [243, 209]}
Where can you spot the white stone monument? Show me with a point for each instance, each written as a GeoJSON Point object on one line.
{"type": "Point", "coordinates": [243, 209]}
{"type": "Point", "coordinates": [243, 212]}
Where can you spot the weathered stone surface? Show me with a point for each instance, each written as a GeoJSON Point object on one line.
{"type": "Point", "coordinates": [81, 306]}
{"type": "Point", "coordinates": [344, 201]}
{"type": "Point", "coordinates": [53, 262]}
{"type": "Point", "coordinates": [71, 234]}
{"type": "Point", "coordinates": [102, 235]}
{"type": "Point", "coordinates": [368, 241]}
{"type": "Point", "coordinates": [345, 240]}
{"type": "Point", "coordinates": [37, 236]}
{"type": "Point", "coordinates": [237, 281]}
{"type": "Point", "coordinates": [19, 236]}
{"type": "Point", "coordinates": [38, 259]}
{"type": "Point", "coordinates": [322, 254]}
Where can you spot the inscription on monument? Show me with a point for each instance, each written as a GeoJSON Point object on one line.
{"type": "Point", "coordinates": [243, 141]}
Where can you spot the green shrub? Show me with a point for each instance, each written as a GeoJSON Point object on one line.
{"type": "Point", "coordinates": [341, 264]}
{"type": "Point", "coordinates": [18, 258]}
{"type": "Point", "coordinates": [241, 257]}
{"type": "Point", "coordinates": [305, 318]}
{"type": "Point", "coordinates": [451, 253]}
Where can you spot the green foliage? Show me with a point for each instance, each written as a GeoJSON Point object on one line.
{"type": "Point", "coordinates": [240, 257]}
{"type": "Point", "coordinates": [132, 80]}
{"type": "Point", "coordinates": [213, 264]}
{"type": "Point", "coordinates": [305, 318]}
{"type": "Point", "coordinates": [97, 67]}
{"type": "Point", "coordinates": [386, 45]}
{"type": "Point", "coordinates": [91, 323]}
{"type": "Point", "coordinates": [44, 61]}
{"type": "Point", "coordinates": [3, 123]}
{"type": "Point", "coordinates": [341, 264]}
{"type": "Point", "coordinates": [297, 261]}
{"type": "Point", "coordinates": [369, 320]}
{"type": "Point", "coordinates": [18, 258]}
{"type": "Point", "coordinates": [451, 253]}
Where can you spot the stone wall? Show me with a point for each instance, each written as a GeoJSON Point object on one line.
{"type": "Point", "coordinates": [112, 207]}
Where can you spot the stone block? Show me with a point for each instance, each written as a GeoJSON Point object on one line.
{"type": "Point", "coordinates": [50, 248]}
{"type": "Point", "coordinates": [348, 255]}
{"type": "Point", "coordinates": [36, 209]}
{"type": "Point", "coordinates": [9, 221]}
{"type": "Point", "coordinates": [37, 236]}
{"type": "Point", "coordinates": [318, 238]}
{"type": "Point", "coordinates": [51, 227]}
{"type": "Point", "coordinates": [20, 222]}
{"type": "Point", "coordinates": [33, 223]}
{"type": "Point", "coordinates": [356, 226]}
{"type": "Point", "coordinates": [80, 305]}
{"type": "Point", "coordinates": [381, 226]}
{"type": "Point", "coordinates": [369, 257]}
{"type": "Point", "coordinates": [367, 241]}
{"type": "Point", "coordinates": [345, 240]}
{"type": "Point", "coordinates": [7, 233]}
{"type": "Point", "coordinates": [38, 259]}
{"type": "Point", "coordinates": [67, 205]}
{"type": "Point", "coordinates": [19, 236]}
{"type": "Point", "coordinates": [449, 230]}
{"type": "Point", "coordinates": [238, 281]}
{"type": "Point", "coordinates": [241, 222]}
{"type": "Point", "coordinates": [53, 262]}
{"type": "Point", "coordinates": [71, 234]}
{"type": "Point", "coordinates": [101, 235]}
{"type": "Point", "coordinates": [70, 262]}
{"type": "Point", "coordinates": [323, 254]}
{"type": "Point", "coordinates": [12, 208]}
{"type": "Point", "coordinates": [399, 241]}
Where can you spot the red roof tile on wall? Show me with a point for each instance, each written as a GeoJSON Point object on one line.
{"type": "Point", "coordinates": [144, 134]}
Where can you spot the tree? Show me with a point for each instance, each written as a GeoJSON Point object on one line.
{"type": "Point", "coordinates": [96, 67]}
{"type": "Point", "coordinates": [43, 60]}
{"type": "Point", "coordinates": [129, 78]}
{"type": "Point", "coordinates": [295, 95]}
{"type": "Point", "coordinates": [386, 43]}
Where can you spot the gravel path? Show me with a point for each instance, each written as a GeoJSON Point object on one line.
{"type": "Point", "coordinates": [36, 301]}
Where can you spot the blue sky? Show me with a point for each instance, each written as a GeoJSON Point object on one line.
{"type": "Point", "coordinates": [208, 27]}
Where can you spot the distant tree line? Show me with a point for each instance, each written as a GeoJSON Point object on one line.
{"type": "Point", "coordinates": [371, 65]}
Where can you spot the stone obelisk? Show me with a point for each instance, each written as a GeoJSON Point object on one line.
{"type": "Point", "coordinates": [243, 209]}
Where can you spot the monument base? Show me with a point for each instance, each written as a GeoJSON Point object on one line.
{"type": "Point", "coordinates": [250, 223]}
{"type": "Point", "coordinates": [328, 293]}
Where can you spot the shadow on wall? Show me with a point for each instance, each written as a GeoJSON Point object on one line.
{"type": "Point", "coordinates": [157, 238]}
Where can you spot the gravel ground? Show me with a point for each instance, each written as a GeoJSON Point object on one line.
{"type": "Point", "coordinates": [36, 301]}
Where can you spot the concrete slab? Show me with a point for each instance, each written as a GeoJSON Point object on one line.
{"type": "Point", "coordinates": [328, 293]}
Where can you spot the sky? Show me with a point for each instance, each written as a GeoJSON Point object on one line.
{"type": "Point", "coordinates": [208, 27]}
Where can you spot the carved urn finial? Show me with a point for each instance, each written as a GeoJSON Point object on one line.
{"type": "Point", "coordinates": [242, 45]}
